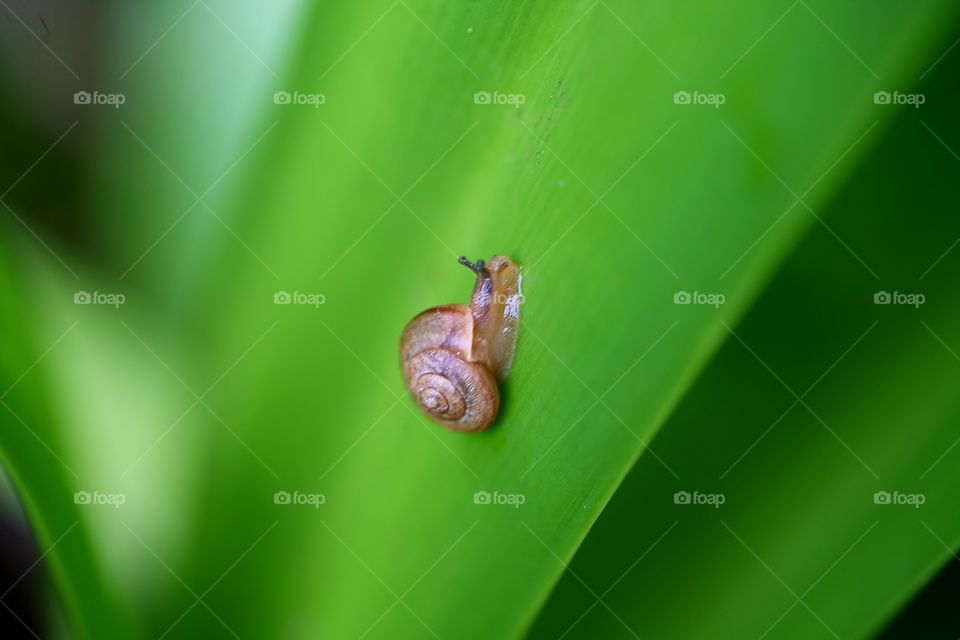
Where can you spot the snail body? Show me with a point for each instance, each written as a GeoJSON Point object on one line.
{"type": "Point", "coordinates": [454, 356]}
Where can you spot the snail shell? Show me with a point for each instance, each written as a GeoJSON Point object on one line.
{"type": "Point", "coordinates": [453, 356]}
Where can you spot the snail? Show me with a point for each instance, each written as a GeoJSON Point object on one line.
{"type": "Point", "coordinates": [454, 356]}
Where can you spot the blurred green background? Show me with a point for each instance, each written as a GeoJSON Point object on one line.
{"type": "Point", "coordinates": [733, 410]}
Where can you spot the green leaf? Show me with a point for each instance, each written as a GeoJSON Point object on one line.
{"type": "Point", "coordinates": [32, 453]}
{"type": "Point", "coordinates": [828, 424]}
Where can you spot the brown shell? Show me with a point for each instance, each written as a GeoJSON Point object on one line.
{"type": "Point", "coordinates": [457, 394]}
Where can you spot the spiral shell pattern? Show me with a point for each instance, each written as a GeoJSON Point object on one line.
{"type": "Point", "coordinates": [461, 395]}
